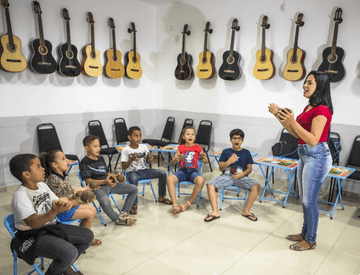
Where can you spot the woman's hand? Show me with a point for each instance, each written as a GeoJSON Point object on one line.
{"type": "Point", "coordinates": [273, 108]}
{"type": "Point", "coordinates": [286, 116]}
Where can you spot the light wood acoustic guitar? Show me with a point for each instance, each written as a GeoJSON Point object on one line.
{"type": "Point", "coordinates": [184, 70]}
{"type": "Point", "coordinates": [42, 61]}
{"type": "Point", "coordinates": [11, 60]}
{"type": "Point", "coordinates": [68, 63]}
{"type": "Point", "coordinates": [91, 65]}
{"type": "Point", "coordinates": [206, 67]}
{"type": "Point", "coordinates": [113, 68]}
{"type": "Point", "coordinates": [264, 67]}
{"type": "Point", "coordinates": [333, 56]}
{"type": "Point", "coordinates": [230, 68]}
{"type": "Point", "coordinates": [132, 58]}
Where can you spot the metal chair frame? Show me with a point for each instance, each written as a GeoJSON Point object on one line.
{"type": "Point", "coordinates": [203, 136]}
{"type": "Point", "coordinates": [232, 188]}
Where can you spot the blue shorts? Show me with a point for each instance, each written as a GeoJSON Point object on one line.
{"type": "Point", "coordinates": [185, 174]}
{"type": "Point", "coordinates": [67, 216]}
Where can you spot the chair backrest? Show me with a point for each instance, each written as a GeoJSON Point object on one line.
{"type": "Point", "coordinates": [289, 138]}
{"type": "Point", "coordinates": [121, 130]}
{"type": "Point", "coordinates": [47, 137]}
{"type": "Point", "coordinates": [168, 129]}
{"type": "Point", "coordinates": [96, 129]}
{"type": "Point", "coordinates": [9, 223]}
{"type": "Point", "coordinates": [187, 122]}
{"type": "Point", "coordinates": [335, 147]}
{"type": "Point", "coordinates": [203, 135]}
{"type": "Point", "coordinates": [354, 156]}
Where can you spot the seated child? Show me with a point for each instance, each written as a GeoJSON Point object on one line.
{"type": "Point", "coordinates": [134, 158]}
{"type": "Point", "coordinates": [94, 171]}
{"type": "Point", "coordinates": [56, 164]}
{"type": "Point", "coordinates": [188, 154]}
{"type": "Point", "coordinates": [236, 165]}
{"type": "Point", "coordinates": [35, 207]}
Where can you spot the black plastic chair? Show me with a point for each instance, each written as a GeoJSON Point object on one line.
{"type": "Point", "coordinates": [203, 136]}
{"type": "Point", "coordinates": [187, 122]}
{"type": "Point", "coordinates": [96, 129]}
{"type": "Point", "coordinates": [354, 159]}
{"type": "Point", "coordinates": [121, 133]}
{"type": "Point", "coordinates": [48, 140]}
{"type": "Point", "coordinates": [335, 148]}
{"type": "Point", "coordinates": [166, 136]}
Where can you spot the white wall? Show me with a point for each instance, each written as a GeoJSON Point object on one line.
{"type": "Point", "coordinates": [249, 96]}
{"type": "Point", "coordinates": [28, 93]}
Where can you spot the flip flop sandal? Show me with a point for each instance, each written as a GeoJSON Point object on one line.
{"type": "Point", "coordinates": [297, 247]}
{"type": "Point", "coordinates": [127, 216]}
{"type": "Point", "coordinates": [182, 206]}
{"type": "Point", "coordinates": [295, 238]}
{"type": "Point", "coordinates": [125, 221]}
{"type": "Point", "coordinates": [212, 217]}
{"type": "Point", "coordinates": [175, 209]}
{"type": "Point", "coordinates": [166, 201]}
{"type": "Point", "coordinates": [250, 216]}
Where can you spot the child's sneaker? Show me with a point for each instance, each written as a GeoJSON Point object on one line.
{"type": "Point", "coordinates": [125, 221]}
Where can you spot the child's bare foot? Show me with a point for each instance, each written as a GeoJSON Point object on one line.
{"type": "Point", "coordinates": [185, 206]}
{"type": "Point", "coordinates": [96, 242]}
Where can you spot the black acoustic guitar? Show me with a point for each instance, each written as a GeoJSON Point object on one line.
{"type": "Point", "coordinates": [333, 56]}
{"type": "Point", "coordinates": [42, 61]}
{"type": "Point", "coordinates": [183, 69]}
{"type": "Point", "coordinates": [230, 68]}
{"type": "Point", "coordinates": [68, 64]}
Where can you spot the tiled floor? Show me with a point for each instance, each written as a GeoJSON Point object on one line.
{"type": "Point", "coordinates": [161, 243]}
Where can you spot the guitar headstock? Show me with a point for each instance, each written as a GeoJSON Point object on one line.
{"type": "Point", "coordinates": [207, 28]}
{"type": "Point", "coordinates": [265, 23]}
{"type": "Point", "coordinates": [5, 3]}
{"type": "Point", "coordinates": [90, 18]}
{"type": "Point", "coordinates": [235, 26]}
{"type": "Point", "coordinates": [338, 14]}
{"type": "Point", "coordinates": [65, 14]}
{"type": "Point", "coordinates": [132, 29]}
{"type": "Point", "coordinates": [186, 31]}
{"type": "Point", "coordinates": [37, 8]}
{"type": "Point", "coordinates": [299, 20]}
{"type": "Point", "coordinates": [111, 23]}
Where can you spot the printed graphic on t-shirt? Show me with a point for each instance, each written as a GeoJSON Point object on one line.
{"type": "Point", "coordinates": [99, 169]}
{"type": "Point", "coordinates": [42, 203]}
{"type": "Point", "coordinates": [189, 159]}
{"type": "Point", "coordinates": [140, 164]}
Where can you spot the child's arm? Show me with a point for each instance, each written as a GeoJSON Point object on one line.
{"type": "Point", "coordinates": [58, 206]}
{"type": "Point", "coordinates": [126, 165]}
{"type": "Point", "coordinates": [225, 164]}
{"type": "Point", "coordinates": [176, 158]}
{"type": "Point", "coordinates": [81, 189]}
{"type": "Point", "coordinates": [203, 157]}
{"type": "Point", "coordinates": [98, 182]}
{"type": "Point", "coordinates": [244, 173]}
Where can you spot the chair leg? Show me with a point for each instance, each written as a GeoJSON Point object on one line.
{"type": "Point", "coordinates": [209, 161]}
{"type": "Point", "coordinates": [116, 163]}
{"type": "Point", "coordinates": [117, 206]}
{"type": "Point", "coordinates": [110, 157]}
{"type": "Point", "coordinates": [99, 214]}
{"type": "Point", "coordinates": [221, 198]}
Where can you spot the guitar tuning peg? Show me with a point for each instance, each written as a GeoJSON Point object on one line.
{"type": "Point", "coordinates": [211, 30]}
{"type": "Point", "coordinates": [267, 26]}
{"type": "Point", "coordinates": [188, 32]}
{"type": "Point", "coordinates": [129, 30]}
{"type": "Point", "coordinates": [237, 28]}
{"type": "Point", "coordinates": [302, 23]}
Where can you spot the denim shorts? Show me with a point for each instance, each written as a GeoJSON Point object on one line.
{"type": "Point", "coordinates": [185, 174]}
{"type": "Point", "coordinates": [67, 215]}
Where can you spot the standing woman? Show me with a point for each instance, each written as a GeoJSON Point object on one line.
{"type": "Point", "coordinates": [312, 127]}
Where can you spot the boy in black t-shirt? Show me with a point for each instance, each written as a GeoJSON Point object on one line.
{"type": "Point", "coordinates": [94, 170]}
{"type": "Point", "coordinates": [236, 165]}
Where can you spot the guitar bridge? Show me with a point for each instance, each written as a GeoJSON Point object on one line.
{"type": "Point", "coordinates": [44, 63]}
{"type": "Point", "coordinates": [263, 70]}
{"type": "Point", "coordinates": [134, 70]}
{"type": "Point", "coordinates": [117, 70]}
{"type": "Point", "coordinates": [13, 60]}
{"type": "Point", "coordinates": [70, 66]}
{"type": "Point", "coordinates": [204, 70]}
{"type": "Point", "coordinates": [331, 72]}
{"type": "Point", "coordinates": [93, 67]}
{"type": "Point", "coordinates": [229, 71]}
{"type": "Point", "coordinates": [293, 71]}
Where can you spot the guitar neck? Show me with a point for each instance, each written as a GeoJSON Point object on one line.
{"type": "Point", "coordinates": [134, 46]}
{"type": "Point", "coordinates": [8, 22]}
{"type": "Point", "coordinates": [114, 42]}
{"type": "Point", "coordinates": [232, 43]}
{"type": "Point", "coordinates": [205, 46]}
{"type": "Point", "coordinates": [183, 47]}
{"type": "Point", "coordinates": [263, 44]}
{"type": "Point", "coordinates": [68, 34]}
{"type": "Point", "coordinates": [41, 31]}
{"type": "Point", "coordinates": [296, 42]}
{"type": "Point", "coordinates": [333, 47]}
{"type": "Point", "coordinates": [92, 40]}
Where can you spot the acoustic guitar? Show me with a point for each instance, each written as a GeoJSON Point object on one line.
{"type": "Point", "coordinates": [295, 69]}
{"type": "Point", "coordinates": [206, 67]}
{"type": "Point", "coordinates": [333, 56]}
{"type": "Point", "coordinates": [183, 69]}
{"type": "Point", "coordinates": [42, 61]}
{"type": "Point", "coordinates": [230, 68]}
{"type": "Point", "coordinates": [91, 65]}
{"type": "Point", "coordinates": [132, 58]}
{"type": "Point", "coordinates": [68, 64]}
{"type": "Point", "coordinates": [11, 60]}
{"type": "Point", "coordinates": [113, 68]}
{"type": "Point", "coordinates": [264, 67]}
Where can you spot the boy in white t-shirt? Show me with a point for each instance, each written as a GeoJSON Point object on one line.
{"type": "Point", "coordinates": [35, 207]}
{"type": "Point", "coordinates": [134, 158]}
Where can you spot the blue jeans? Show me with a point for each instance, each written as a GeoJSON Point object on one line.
{"type": "Point", "coordinates": [63, 253]}
{"type": "Point", "coordinates": [134, 177]}
{"type": "Point", "coordinates": [102, 195]}
{"type": "Point", "coordinates": [314, 164]}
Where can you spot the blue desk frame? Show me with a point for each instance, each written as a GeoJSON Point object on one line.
{"type": "Point", "coordinates": [171, 151]}
{"type": "Point", "coordinates": [340, 181]}
{"type": "Point", "coordinates": [274, 165]}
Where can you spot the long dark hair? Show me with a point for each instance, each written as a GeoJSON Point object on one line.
{"type": "Point", "coordinates": [181, 139]}
{"type": "Point", "coordinates": [322, 95]}
{"type": "Point", "coordinates": [46, 158]}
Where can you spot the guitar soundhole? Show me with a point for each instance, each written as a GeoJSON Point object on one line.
{"type": "Point", "coordinates": [182, 62]}
{"type": "Point", "coordinates": [204, 61]}
{"type": "Point", "coordinates": [114, 59]}
{"type": "Point", "coordinates": [43, 50]}
{"type": "Point", "coordinates": [294, 59]}
{"type": "Point", "coordinates": [332, 58]}
{"type": "Point", "coordinates": [93, 55]}
{"type": "Point", "coordinates": [263, 59]}
{"type": "Point", "coordinates": [134, 59]}
{"type": "Point", "coordinates": [230, 60]}
{"type": "Point", "coordinates": [11, 47]}
{"type": "Point", "coordinates": [69, 54]}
